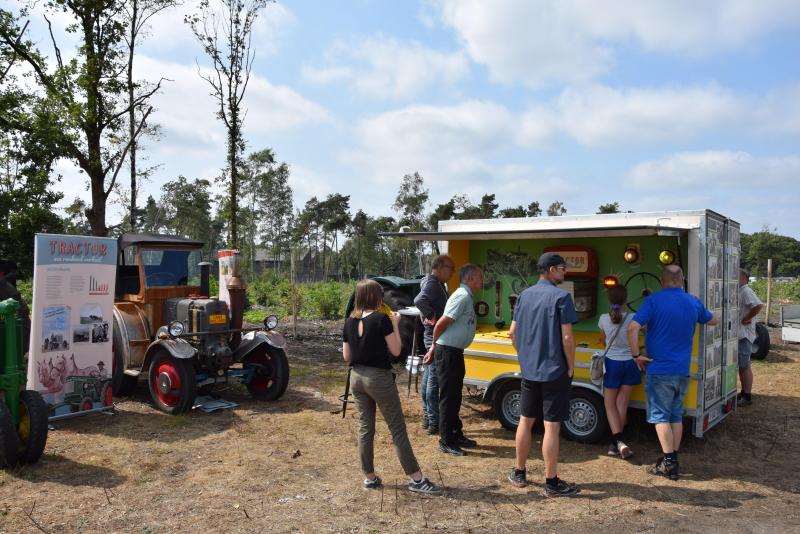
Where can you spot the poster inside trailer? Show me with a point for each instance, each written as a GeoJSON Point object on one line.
{"type": "Point", "coordinates": [71, 321]}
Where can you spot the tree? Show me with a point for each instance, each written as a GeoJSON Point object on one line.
{"type": "Point", "coordinates": [556, 209]}
{"type": "Point", "coordinates": [232, 59]}
{"type": "Point", "coordinates": [534, 210]}
{"type": "Point", "coordinates": [488, 206]}
{"type": "Point", "coordinates": [335, 216]}
{"type": "Point", "coordinates": [76, 107]}
{"type": "Point", "coordinates": [514, 212]}
{"type": "Point", "coordinates": [411, 200]}
{"type": "Point", "coordinates": [187, 209]}
{"type": "Point", "coordinates": [76, 222]}
{"type": "Point", "coordinates": [758, 247]}
{"type": "Point", "coordinates": [138, 13]}
{"type": "Point", "coordinates": [611, 207]}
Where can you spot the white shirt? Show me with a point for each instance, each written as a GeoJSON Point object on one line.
{"type": "Point", "coordinates": [620, 350]}
{"type": "Point", "coordinates": [747, 301]}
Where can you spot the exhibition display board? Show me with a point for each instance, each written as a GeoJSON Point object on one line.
{"type": "Point", "coordinates": [71, 322]}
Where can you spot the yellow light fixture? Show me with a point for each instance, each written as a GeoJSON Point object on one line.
{"type": "Point", "coordinates": [666, 257]}
{"type": "Point", "coordinates": [631, 255]}
{"type": "Point", "coordinates": [610, 281]}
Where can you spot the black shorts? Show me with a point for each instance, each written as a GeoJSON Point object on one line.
{"type": "Point", "coordinates": [546, 400]}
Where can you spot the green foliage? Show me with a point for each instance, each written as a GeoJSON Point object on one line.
{"type": "Point", "coordinates": [25, 288]}
{"type": "Point", "coordinates": [758, 247]}
{"type": "Point", "coordinates": [611, 207]}
{"type": "Point", "coordinates": [270, 293]}
{"type": "Point", "coordinates": [782, 292]}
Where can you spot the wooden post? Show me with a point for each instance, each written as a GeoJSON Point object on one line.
{"type": "Point", "coordinates": [769, 289]}
{"type": "Point", "coordinates": [294, 294]}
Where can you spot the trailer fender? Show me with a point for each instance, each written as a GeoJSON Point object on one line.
{"type": "Point", "coordinates": [176, 347]}
{"type": "Point", "coordinates": [590, 387]}
{"type": "Point", "coordinates": [496, 383]}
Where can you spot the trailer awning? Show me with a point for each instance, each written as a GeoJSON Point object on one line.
{"type": "Point", "coordinates": [475, 235]}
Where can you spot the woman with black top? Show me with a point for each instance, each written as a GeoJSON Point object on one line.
{"type": "Point", "coordinates": [370, 340]}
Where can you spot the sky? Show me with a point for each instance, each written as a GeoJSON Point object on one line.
{"type": "Point", "coordinates": [658, 105]}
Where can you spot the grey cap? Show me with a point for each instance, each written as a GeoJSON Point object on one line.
{"type": "Point", "coordinates": [551, 259]}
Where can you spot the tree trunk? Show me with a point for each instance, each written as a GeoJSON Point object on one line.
{"type": "Point", "coordinates": [97, 213]}
{"type": "Point", "coordinates": [132, 112]}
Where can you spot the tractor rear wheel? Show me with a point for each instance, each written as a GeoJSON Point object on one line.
{"type": "Point", "coordinates": [122, 385]}
{"type": "Point", "coordinates": [761, 343]}
{"type": "Point", "coordinates": [32, 427]}
{"type": "Point", "coordinates": [106, 395]}
{"type": "Point", "coordinates": [271, 374]}
{"type": "Point", "coordinates": [172, 383]}
{"type": "Point", "coordinates": [397, 300]}
{"type": "Point", "coordinates": [9, 442]}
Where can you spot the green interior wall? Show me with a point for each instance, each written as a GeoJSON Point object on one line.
{"type": "Point", "coordinates": [609, 256]}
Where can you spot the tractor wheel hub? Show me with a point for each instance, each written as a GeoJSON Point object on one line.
{"type": "Point", "coordinates": [164, 383]}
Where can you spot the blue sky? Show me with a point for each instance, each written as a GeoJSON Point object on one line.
{"type": "Point", "coordinates": [658, 105]}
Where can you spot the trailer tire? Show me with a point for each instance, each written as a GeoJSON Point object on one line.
{"type": "Point", "coordinates": [9, 441]}
{"type": "Point", "coordinates": [507, 404]}
{"type": "Point", "coordinates": [761, 343]}
{"type": "Point", "coordinates": [271, 384]}
{"type": "Point", "coordinates": [587, 421]}
{"type": "Point", "coordinates": [397, 300]}
{"type": "Point", "coordinates": [172, 383]}
{"type": "Point", "coordinates": [32, 428]}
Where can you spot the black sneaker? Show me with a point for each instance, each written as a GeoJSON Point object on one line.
{"type": "Point", "coordinates": [374, 483]}
{"type": "Point", "coordinates": [424, 424]}
{"type": "Point", "coordinates": [665, 468]}
{"type": "Point", "coordinates": [452, 449]}
{"type": "Point", "coordinates": [464, 441]}
{"type": "Point", "coordinates": [518, 478]}
{"type": "Point", "coordinates": [613, 450]}
{"type": "Point", "coordinates": [424, 486]}
{"type": "Point", "coordinates": [741, 400]}
{"type": "Point", "coordinates": [561, 488]}
{"type": "Point", "coordinates": [624, 450]}
{"type": "Point", "coordinates": [432, 431]}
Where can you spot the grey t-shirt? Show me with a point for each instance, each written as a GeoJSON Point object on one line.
{"type": "Point", "coordinates": [540, 311]}
{"type": "Point", "coordinates": [620, 349]}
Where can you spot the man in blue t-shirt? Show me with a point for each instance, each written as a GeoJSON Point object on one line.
{"type": "Point", "coordinates": [670, 316]}
{"type": "Point", "coordinates": [542, 335]}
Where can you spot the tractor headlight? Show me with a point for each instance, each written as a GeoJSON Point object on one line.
{"type": "Point", "coordinates": [270, 322]}
{"type": "Point", "coordinates": [175, 328]}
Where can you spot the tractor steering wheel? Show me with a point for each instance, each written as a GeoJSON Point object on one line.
{"type": "Point", "coordinates": [639, 286]}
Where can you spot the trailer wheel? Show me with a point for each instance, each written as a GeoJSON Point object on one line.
{"type": "Point", "coordinates": [122, 385]}
{"type": "Point", "coordinates": [9, 442]}
{"type": "Point", "coordinates": [761, 343]}
{"type": "Point", "coordinates": [587, 421]}
{"type": "Point", "coordinates": [172, 383]}
{"type": "Point", "coordinates": [506, 404]}
{"type": "Point", "coordinates": [32, 427]}
{"type": "Point", "coordinates": [86, 404]}
{"type": "Point", "coordinates": [271, 374]}
{"type": "Point", "coordinates": [397, 300]}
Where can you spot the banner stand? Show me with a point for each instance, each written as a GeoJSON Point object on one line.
{"type": "Point", "coordinates": [108, 410]}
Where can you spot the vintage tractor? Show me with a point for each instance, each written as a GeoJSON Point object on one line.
{"type": "Point", "coordinates": [169, 330]}
{"type": "Point", "coordinates": [23, 413]}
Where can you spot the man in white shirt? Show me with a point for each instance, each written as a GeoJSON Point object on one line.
{"type": "Point", "coordinates": [749, 307]}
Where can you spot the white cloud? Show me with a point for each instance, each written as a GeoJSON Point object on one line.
{"type": "Point", "coordinates": [573, 41]}
{"type": "Point", "coordinates": [718, 170]}
{"type": "Point", "coordinates": [598, 115]}
{"type": "Point", "coordinates": [387, 68]}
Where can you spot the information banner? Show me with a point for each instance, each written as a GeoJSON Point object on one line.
{"type": "Point", "coordinates": [71, 322]}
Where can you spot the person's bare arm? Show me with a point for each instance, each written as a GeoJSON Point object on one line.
{"type": "Point", "coordinates": [602, 338]}
{"type": "Point", "coordinates": [714, 321]}
{"type": "Point", "coordinates": [633, 342]}
{"type": "Point", "coordinates": [393, 341]}
{"type": "Point", "coordinates": [441, 325]}
{"type": "Point", "coordinates": [346, 351]}
{"type": "Point", "coordinates": [755, 310]}
{"type": "Point", "coordinates": [568, 341]}
{"type": "Point", "coordinates": [512, 332]}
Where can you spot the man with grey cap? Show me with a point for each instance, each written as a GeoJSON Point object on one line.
{"type": "Point", "coordinates": [541, 332]}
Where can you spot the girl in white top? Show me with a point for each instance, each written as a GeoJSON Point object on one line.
{"type": "Point", "coordinates": [621, 374]}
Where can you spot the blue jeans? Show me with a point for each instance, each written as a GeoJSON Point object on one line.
{"type": "Point", "coordinates": [665, 394]}
{"type": "Point", "coordinates": [430, 395]}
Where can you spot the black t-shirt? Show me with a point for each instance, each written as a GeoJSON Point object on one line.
{"type": "Point", "coordinates": [370, 347]}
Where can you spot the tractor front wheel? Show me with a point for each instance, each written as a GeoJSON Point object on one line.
{"type": "Point", "coordinates": [32, 427]}
{"type": "Point", "coordinates": [9, 442]}
{"type": "Point", "coordinates": [172, 382]}
{"type": "Point", "coordinates": [271, 374]}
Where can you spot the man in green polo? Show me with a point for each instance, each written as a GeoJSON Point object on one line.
{"type": "Point", "coordinates": [454, 331]}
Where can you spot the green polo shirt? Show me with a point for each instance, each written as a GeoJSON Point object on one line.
{"type": "Point", "coordinates": [460, 309]}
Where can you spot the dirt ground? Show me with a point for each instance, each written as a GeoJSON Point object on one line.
{"type": "Point", "coordinates": [292, 465]}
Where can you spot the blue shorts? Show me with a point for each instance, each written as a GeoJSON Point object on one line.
{"type": "Point", "coordinates": [621, 373]}
{"type": "Point", "coordinates": [665, 394]}
{"type": "Point", "coordinates": [745, 350]}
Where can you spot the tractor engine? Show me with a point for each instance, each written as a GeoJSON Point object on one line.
{"type": "Point", "coordinates": [204, 316]}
